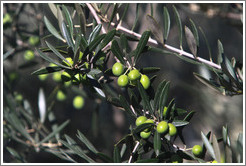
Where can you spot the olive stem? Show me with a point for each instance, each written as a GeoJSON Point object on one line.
{"type": "Point", "coordinates": [133, 151]}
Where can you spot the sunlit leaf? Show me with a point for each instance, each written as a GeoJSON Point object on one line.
{"type": "Point", "coordinates": [216, 148]}
{"type": "Point", "coordinates": [95, 33]}
{"type": "Point", "coordinates": [208, 145]}
{"type": "Point", "coordinates": [52, 29]}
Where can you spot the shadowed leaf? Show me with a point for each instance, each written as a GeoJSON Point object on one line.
{"type": "Point", "coordinates": [191, 41]}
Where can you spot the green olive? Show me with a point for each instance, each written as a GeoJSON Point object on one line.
{"type": "Point", "coordinates": [140, 120]}
{"type": "Point", "coordinates": [122, 80]}
{"type": "Point", "coordinates": [61, 96]}
{"type": "Point", "coordinates": [197, 150]}
{"type": "Point", "coordinates": [172, 129]}
{"type": "Point", "coordinates": [78, 102]}
{"type": "Point", "coordinates": [29, 55]}
{"type": "Point", "coordinates": [145, 135]}
{"type": "Point", "coordinates": [134, 75]}
{"type": "Point", "coordinates": [117, 69]}
{"type": "Point", "coordinates": [162, 127]}
{"type": "Point", "coordinates": [145, 81]}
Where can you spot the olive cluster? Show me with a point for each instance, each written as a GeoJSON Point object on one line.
{"type": "Point", "coordinates": [162, 127]}
{"type": "Point", "coordinates": [132, 76]}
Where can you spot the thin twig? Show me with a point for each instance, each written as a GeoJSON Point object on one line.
{"type": "Point", "coordinates": [133, 151]}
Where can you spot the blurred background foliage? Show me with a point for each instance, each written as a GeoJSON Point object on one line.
{"type": "Point", "coordinates": [102, 123]}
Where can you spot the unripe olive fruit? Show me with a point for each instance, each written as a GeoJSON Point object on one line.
{"type": "Point", "coordinates": [145, 81]}
{"type": "Point", "coordinates": [57, 76]}
{"type": "Point", "coordinates": [162, 127]}
{"type": "Point", "coordinates": [76, 79]}
{"type": "Point", "coordinates": [18, 97]}
{"type": "Point", "coordinates": [172, 129]}
{"type": "Point", "coordinates": [214, 161]}
{"type": "Point", "coordinates": [145, 135]}
{"type": "Point", "coordinates": [70, 60]}
{"type": "Point", "coordinates": [134, 75]}
{"type": "Point", "coordinates": [122, 80]}
{"type": "Point", "coordinates": [78, 102]}
{"type": "Point", "coordinates": [65, 76]}
{"type": "Point", "coordinates": [197, 150]}
{"type": "Point", "coordinates": [29, 55]}
{"type": "Point", "coordinates": [61, 96]}
{"type": "Point", "coordinates": [165, 111]}
{"type": "Point", "coordinates": [42, 77]}
{"type": "Point", "coordinates": [140, 120]}
{"type": "Point", "coordinates": [13, 76]}
{"type": "Point", "coordinates": [7, 18]}
{"type": "Point", "coordinates": [117, 69]}
{"type": "Point", "coordinates": [176, 159]}
{"type": "Point", "coordinates": [33, 40]}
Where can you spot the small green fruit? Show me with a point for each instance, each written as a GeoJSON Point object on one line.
{"type": "Point", "coordinates": [172, 129]}
{"type": "Point", "coordinates": [68, 83]}
{"type": "Point", "coordinates": [140, 120]}
{"type": "Point", "coordinates": [70, 60]}
{"type": "Point", "coordinates": [76, 79]}
{"type": "Point", "coordinates": [145, 135]}
{"type": "Point", "coordinates": [162, 127]}
{"type": "Point", "coordinates": [13, 76]}
{"type": "Point", "coordinates": [57, 76]}
{"type": "Point", "coordinates": [165, 112]}
{"type": "Point", "coordinates": [197, 150]}
{"type": "Point", "coordinates": [52, 65]}
{"type": "Point", "coordinates": [61, 96]}
{"type": "Point", "coordinates": [33, 40]}
{"type": "Point", "coordinates": [78, 102]}
{"type": "Point", "coordinates": [117, 69]}
{"type": "Point", "coordinates": [18, 97]}
{"type": "Point", "coordinates": [42, 77]}
{"type": "Point", "coordinates": [145, 81]}
{"type": "Point", "coordinates": [122, 80]}
{"type": "Point", "coordinates": [134, 75]}
{"type": "Point", "coordinates": [214, 161]}
{"type": "Point", "coordinates": [65, 76]}
{"type": "Point", "coordinates": [29, 55]}
{"type": "Point", "coordinates": [176, 159]}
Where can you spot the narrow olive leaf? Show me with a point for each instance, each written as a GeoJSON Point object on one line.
{"type": "Point", "coordinates": [180, 112]}
{"type": "Point", "coordinates": [117, 158]}
{"type": "Point", "coordinates": [148, 70]}
{"type": "Point", "coordinates": [67, 36]}
{"type": "Point", "coordinates": [47, 70]}
{"type": "Point", "coordinates": [47, 58]}
{"type": "Point", "coordinates": [15, 154]}
{"type": "Point", "coordinates": [115, 9]}
{"type": "Point", "coordinates": [151, 9]}
{"type": "Point", "coordinates": [170, 107]}
{"type": "Point", "coordinates": [209, 83]}
{"type": "Point", "coordinates": [136, 17]}
{"type": "Point", "coordinates": [126, 105]}
{"type": "Point", "coordinates": [125, 11]}
{"type": "Point", "coordinates": [142, 127]}
{"type": "Point", "coordinates": [77, 48]}
{"type": "Point", "coordinates": [155, 29]}
{"type": "Point", "coordinates": [82, 19]}
{"type": "Point", "coordinates": [216, 148]}
{"type": "Point", "coordinates": [240, 146]}
{"type": "Point", "coordinates": [153, 160]}
{"type": "Point", "coordinates": [141, 45]}
{"type": "Point", "coordinates": [180, 123]}
{"type": "Point", "coordinates": [189, 116]}
{"type": "Point", "coordinates": [104, 157]}
{"type": "Point", "coordinates": [109, 36]}
{"type": "Point", "coordinates": [157, 143]}
{"type": "Point", "coordinates": [166, 21]}
{"type": "Point", "coordinates": [179, 23]}
{"type": "Point", "coordinates": [53, 8]}
{"type": "Point", "coordinates": [207, 44]}
{"type": "Point", "coordinates": [78, 152]}
{"type": "Point", "coordinates": [145, 98]}
{"type": "Point", "coordinates": [158, 94]}
{"type": "Point", "coordinates": [96, 41]}
{"type": "Point", "coordinates": [8, 53]}
{"type": "Point", "coordinates": [53, 133]}
{"type": "Point", "coordinates": [195, 32]}
{"type": "Point", "coordinates": [225, 134]}
{"type": "Point", "coordinates": [124, 45]}
{"type": "Point", "coordinates": [84, 43]}
{"type": "Point", "coordinates": [220, 52]}
{"type": "Point", "coordinates": [229, 71]}
{"type": "Point", "coordinates": [60, 17]}
{"type": "Point", "coordinates": [86, 142]}
{"type": "Point", "coordinates": [57, 53]}
{"type": "Point", "coordinates": [192, 61]}
{"type": "Point", "coordinates": [68, 18]}
{"type": "Point", "coordinates": [117, 52]}
{"type": "Point", "coordinates": [164, 96]}
{"type": "Point", "coordinates": [52, 29]}
{"type": "Point", "coordinates": [95, 33]}
{"type": "Point", "coordinates": [191, 41]}
{"type": "Point", "coordinates": [208, 145]}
